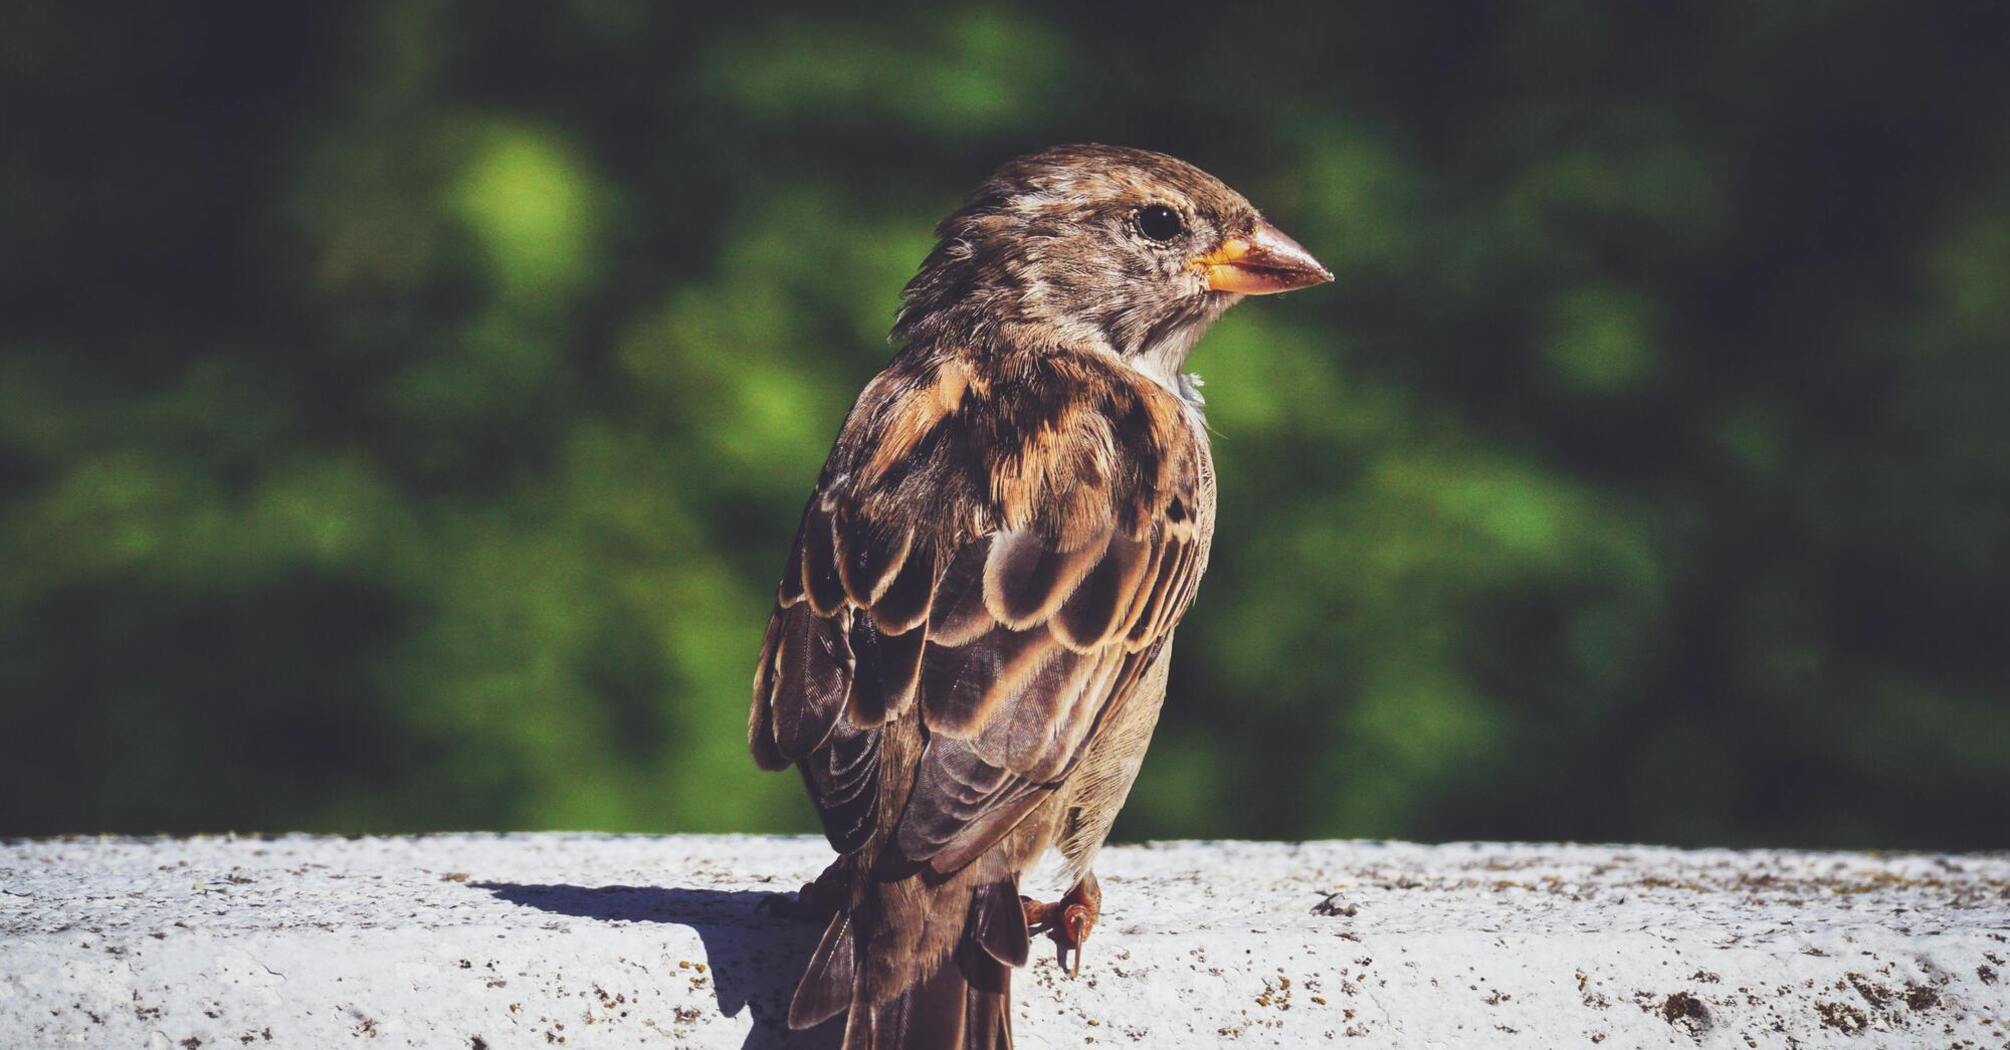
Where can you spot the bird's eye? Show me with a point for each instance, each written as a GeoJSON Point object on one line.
{"type": "Point", "coordinates": [1159, 222]}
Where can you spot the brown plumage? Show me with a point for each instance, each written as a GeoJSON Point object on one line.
{"type": "Point", "coordinates": [969, 644]}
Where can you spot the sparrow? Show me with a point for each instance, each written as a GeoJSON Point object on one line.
{"type": "Point", "coordinates": [969, 645]}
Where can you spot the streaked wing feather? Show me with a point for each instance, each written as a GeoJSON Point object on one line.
{"type": "Point", "coordinates": [869, 555]}
{"type": "Point", "coordinates": [1011, 711]}
{"type": "Point", "coordinates": [953, 787]}
{"type": "Point", "coordinates": [963, 685]}
{"type": "Point", "coordinates": [888, 675]}
{"type": "Point", "coordinates": [1026, 579]}
{"type": "Point", "coordinates": [819, 561]}
{"type": "Point", "coordinates": [1005, 579]}
{"type": "Point", "coordinates": [810, 682]}
{"type": "Point", "coordinates": [761, 719]}
{"type": "Point", "coordinates": [958, 614]}
{"type": "Point", "coordinates": [905, 603]}
{"type": "Point", "coordinates": [1093, 614]}
{"type": "Point", "coordinates": [843, 778]}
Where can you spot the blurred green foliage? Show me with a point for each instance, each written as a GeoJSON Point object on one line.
{"type": "Point", "coordinates": [405, 406]}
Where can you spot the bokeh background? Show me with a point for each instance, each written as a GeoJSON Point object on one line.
{"type": "Point", "coordinates": [405, 406]}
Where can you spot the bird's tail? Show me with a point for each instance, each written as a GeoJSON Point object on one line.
{"type": "Point", "coordinates": [959, 999]}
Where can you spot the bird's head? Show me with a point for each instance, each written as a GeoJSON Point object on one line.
{"type": "Point", "coordinates": [1101, 245]}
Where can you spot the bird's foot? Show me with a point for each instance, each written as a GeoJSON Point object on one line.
{"type": "Point", "coordinates": [818, 900]}
{"type": "Point", "coordinates": [1068, 921]}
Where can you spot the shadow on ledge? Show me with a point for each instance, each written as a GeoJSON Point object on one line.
{"type": "Point", "coordinates": [755, 958]}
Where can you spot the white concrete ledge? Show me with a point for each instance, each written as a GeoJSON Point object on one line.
{"type": "Point", "coordinates": [611, 941]}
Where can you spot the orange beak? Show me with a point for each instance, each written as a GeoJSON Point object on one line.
{"type": "Point", "coordinates": [1260, 263]}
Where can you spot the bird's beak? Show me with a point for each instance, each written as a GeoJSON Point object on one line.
{"type": "Point", "coordinates": [1261, 262]}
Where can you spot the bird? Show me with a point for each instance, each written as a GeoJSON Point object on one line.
{"type": "Point", "coordinates": [969, 645]}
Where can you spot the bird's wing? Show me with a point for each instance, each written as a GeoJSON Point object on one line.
{"type": "Point", "coordinates": [1001, 562]}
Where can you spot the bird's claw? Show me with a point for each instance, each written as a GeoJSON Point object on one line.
{"type": "Point", "coordinates": [1068, 921]}
{"type": "Point", "coordinates": [818, 899]}
{"type": "Point", "coordinates": [1071, 932]}
{"type": "Point", "coordinates": [787, 905]}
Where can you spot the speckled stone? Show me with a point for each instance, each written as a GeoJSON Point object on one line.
{"type": "Point", "coordinates": [500, 941]}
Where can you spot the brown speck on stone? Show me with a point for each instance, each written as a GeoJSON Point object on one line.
{"type": "Point", "coordinates": [1686, 1012]}
{"type": "Point", "coordinates": [1842, 1017]}
{"type": "Point", "coordinates": [1875, 994]}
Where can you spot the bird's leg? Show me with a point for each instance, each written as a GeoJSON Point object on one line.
{"type": "Point", "coordinates": [818, 899]}
{"type": "Point", "coordinates": [1068, 920]}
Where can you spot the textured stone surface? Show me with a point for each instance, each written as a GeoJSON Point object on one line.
{"type": "Point", "coordinates": [590, 941]}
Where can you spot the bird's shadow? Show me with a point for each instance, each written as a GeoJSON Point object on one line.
{"type": "Point", "coordinates": [754, 956]}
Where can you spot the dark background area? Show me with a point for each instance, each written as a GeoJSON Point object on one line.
{"type": "Point", "coordinates": [405, 407]}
